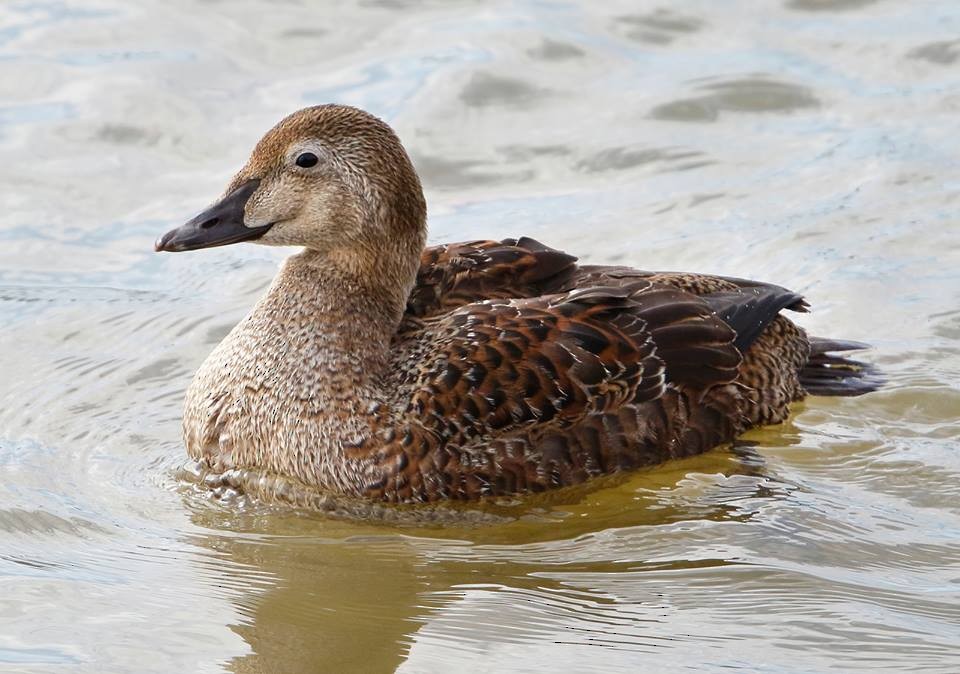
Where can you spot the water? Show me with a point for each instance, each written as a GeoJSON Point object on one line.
{"type": "Point", "coordinates": [811, 143]}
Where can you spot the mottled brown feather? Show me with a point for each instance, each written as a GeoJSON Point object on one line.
{"type": "Point", "coordinates": [455, 274]}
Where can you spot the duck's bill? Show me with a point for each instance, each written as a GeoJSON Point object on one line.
{"type": "Point", "coordinates": [219, 225]}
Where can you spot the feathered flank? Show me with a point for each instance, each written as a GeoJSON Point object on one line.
{"type": "Point", "coordinates": [376, 368]}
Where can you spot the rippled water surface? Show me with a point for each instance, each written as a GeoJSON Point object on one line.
{"type": "Point", "coordinates": [812, 143]}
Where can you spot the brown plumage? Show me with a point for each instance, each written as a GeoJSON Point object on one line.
{"type": "Point", "coordinates": [481, 368]}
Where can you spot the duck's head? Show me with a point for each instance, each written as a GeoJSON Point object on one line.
{"type": "Point", "coordinates": [332, 178]}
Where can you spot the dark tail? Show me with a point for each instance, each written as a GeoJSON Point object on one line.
{"type": "Point", "coordinates": [829, 375]}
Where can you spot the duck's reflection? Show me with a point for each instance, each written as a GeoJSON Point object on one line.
{"type": "Point", "coordinates": [312, 603]}
{"type": "Point", "coordinates": [324, 595]}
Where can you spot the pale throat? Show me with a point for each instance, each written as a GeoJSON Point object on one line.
{"type": "Point", "coordinates": [338, 322]}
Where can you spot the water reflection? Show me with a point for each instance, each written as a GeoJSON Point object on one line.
{"type": "Point", "coordinates": [660, 27]}
{"type": "Point", "coordinates": [328, 606]}
{"type": "Point", "coordinates": [941, 53]}
{"type": "Point", "coordinates": [485, 89]}
{"type": "Point", "coordinates": [750, 94]}
{"type": "Point", "coordinates": [452, 595]}
{"type": "Point", "coordinates": [553, 50]}
{"type": "Point", "coordinates": [307, 592]}
{"type": "Point", "coordinates": [829, 5]}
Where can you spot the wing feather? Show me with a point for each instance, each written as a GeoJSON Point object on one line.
{"type": "Point", "coordinates": [524, 357]}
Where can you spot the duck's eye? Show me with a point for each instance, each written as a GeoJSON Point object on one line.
{"type": "Point", "coordinates": [307, 160]}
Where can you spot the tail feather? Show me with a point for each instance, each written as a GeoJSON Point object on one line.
{"type": "Point", "coordinates": [819, 345]}
{"type": "Point", "coordinates": [830, 375]}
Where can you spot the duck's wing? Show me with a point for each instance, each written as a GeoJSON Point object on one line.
{"type": "Point", "coordinates": [457, 274]}
{"type": "Point", "coordinates": [746, 306]}
{"type": "Point", "coordinates": [490, 369]}
{"type": "Point", "coordinates": [453, 275]}
{"type": "Point", "coordinates": [698, 284]}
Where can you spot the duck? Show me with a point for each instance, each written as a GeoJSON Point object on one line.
{"type": "Point", "coordinates": [377, 368]}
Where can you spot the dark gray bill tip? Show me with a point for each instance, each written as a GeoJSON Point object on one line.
{"type": "Point", "coordinates": [219, 225]}
{"type": "Point", "coordinates": [165, 242]}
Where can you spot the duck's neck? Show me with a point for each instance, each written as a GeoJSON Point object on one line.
{"type": "Point", "coordinates": [337, 316]}
{"type": "Point", "coordinates": [302, 377]}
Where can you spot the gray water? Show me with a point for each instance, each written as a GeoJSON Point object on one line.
{"type": "Point", "coordinates": [811, 143]}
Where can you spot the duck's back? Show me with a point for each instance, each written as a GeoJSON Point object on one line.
{"type": "Point", "coordinates": [517, 370]}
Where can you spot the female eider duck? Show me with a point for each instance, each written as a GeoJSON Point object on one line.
{"type": "Point", "coordinates": [376, 368]}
